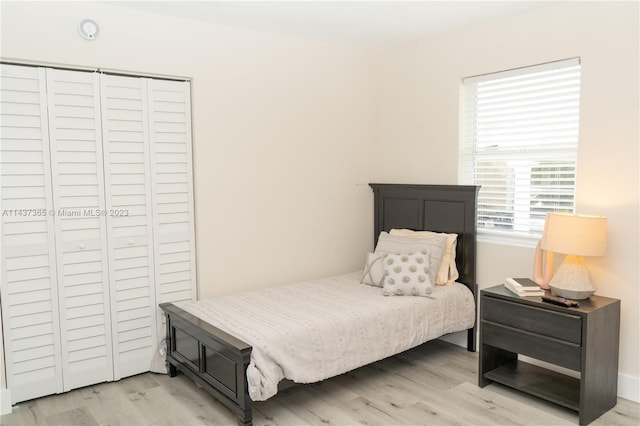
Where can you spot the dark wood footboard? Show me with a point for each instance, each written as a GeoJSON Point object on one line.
{"type": "Point", "coordinates": [212, 358]}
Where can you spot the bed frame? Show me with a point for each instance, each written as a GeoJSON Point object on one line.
{"type": "Point", "coordinates": [217, 361]}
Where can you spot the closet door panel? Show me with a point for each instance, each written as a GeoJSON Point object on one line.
{"type": "Point", "coordinates": [81, 243]}
{"type": "Point", "coordinates": [96, 174]}
{"type": "Point", "coordinates": [172, 189]}
{"type": "Point", "coordinates": [29, 289]}
{"type": "Point", "coordinates": [128, 198]}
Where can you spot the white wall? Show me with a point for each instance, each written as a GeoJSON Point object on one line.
{"type": "Point", "coordinates": [282, 129]}
{"type": "Point", "coordinates": [418, 131]}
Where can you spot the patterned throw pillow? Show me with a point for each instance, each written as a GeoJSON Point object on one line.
{"type": "Point", "coordinates": [374, 270]}
{"type": "Point", "coordinates": [407, 275]}
{"type": "Point", "coordinates": [399, 244]}
{"type": "Point", "coordinates": [448, 271]}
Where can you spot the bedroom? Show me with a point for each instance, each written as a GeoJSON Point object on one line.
{"type": "Point", "coordinates": [269, 107]}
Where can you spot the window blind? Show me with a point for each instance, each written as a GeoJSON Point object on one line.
{"type": "Point", "coordinates": [520, 143]}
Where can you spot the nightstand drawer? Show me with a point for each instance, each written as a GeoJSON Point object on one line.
{"type": "Point", "coordinates": [545, 322]}
{"type": "Point", "coordinates": [540, 347]}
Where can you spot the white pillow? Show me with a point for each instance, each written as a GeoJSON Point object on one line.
{"type": "Point", "coordinates": [374, 270]}
{"type": "Point", "coordinates": [405, 245]}
{"type": "Point", "coordinates": [407, 275]}
{"type": "Point", "coordinates": [447, 271]}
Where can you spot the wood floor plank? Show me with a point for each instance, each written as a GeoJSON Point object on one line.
{"type": "Point", "coordinates": [505, 410]}
{"type": "Point", "coordinates": [196, 401]}
{"type": "Point", "coordinates": [370, 413]}
{"type": "Point", "coordinates": [303, 402]}
{"type": "Point", "coordinates": [275, 413]}
{"type": "Point", "coordinates": [55, 404]}
{"type": "Point", "coordinates": [434, 384]}
{"type": "Point", "coordinates": [625, 413]}
{"type": "Point", "coordinates": [23, 414]}
{"type": "Point", "coordinates": [159, 404]}
{"type": "Point", "coordinates": [109, 404]}
{"type": "Point", "coordinates": [76, 417]}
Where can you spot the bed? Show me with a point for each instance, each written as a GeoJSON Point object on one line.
{"type": "Point", "coordinates": [236, 373]}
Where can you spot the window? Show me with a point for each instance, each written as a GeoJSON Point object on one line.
{"type": "Point", "coordinates": [520, 144]}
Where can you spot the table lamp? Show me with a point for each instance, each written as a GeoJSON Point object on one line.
{"type": "Point", "coordinates": [575, 235]}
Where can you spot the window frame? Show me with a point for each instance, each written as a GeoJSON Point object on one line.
{"type": "Point", "coordinates": [528, 235]}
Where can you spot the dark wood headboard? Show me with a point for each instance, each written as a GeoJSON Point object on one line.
{"type": "Point", "coordinates": [438, 208]}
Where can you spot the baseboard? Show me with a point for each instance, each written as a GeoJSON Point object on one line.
{"type": "Point", "coordinates": [5, 402]}
{"type": "Point", "coordinates": [459, 338]}
{"type": "Point", "coordinates": [629, 387]}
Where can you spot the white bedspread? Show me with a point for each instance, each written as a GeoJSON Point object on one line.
{"type": "Point", "coordinates": [313, 330]}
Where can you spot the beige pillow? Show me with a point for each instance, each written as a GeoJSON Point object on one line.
{"type": "Point", "coordinates": [405, 245]}
{"type": "Point", "coordinates": [407, 275]}
{"type": "Point", "coordinates": [447, 271]}
{"type": "Point", "coordinates": [373, 270]}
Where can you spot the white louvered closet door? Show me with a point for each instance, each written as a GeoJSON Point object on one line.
{"type": "Point", "coordinates": [172, 191]}
{"type": "Point", "coordinates": [97, 223]}
{"type": "Point", "coordinates": [128, 199]}
{"type": "Point", "coordinates": [75, 136]}
{"type": "Point", "coordinates": [27, 253]}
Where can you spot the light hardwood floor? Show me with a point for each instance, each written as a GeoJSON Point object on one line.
{"type": "Point", "coordinates": [434, 384]}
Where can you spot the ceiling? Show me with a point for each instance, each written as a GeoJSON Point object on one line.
{"type": "Point", "coordinates": [344, 21]}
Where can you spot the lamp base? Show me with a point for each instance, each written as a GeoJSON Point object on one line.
{"type": "Point", "coordinates": [572, 279]}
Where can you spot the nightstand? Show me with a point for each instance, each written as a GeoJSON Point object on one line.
{"type": "Point", "coordinates": [583, 339]}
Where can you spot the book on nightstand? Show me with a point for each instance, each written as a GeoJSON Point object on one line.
{"type": "Point", "coordinates": [523, 287]}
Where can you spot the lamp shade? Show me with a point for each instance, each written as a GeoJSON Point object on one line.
{"type": "Point", "coordinates": [577, 234]}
